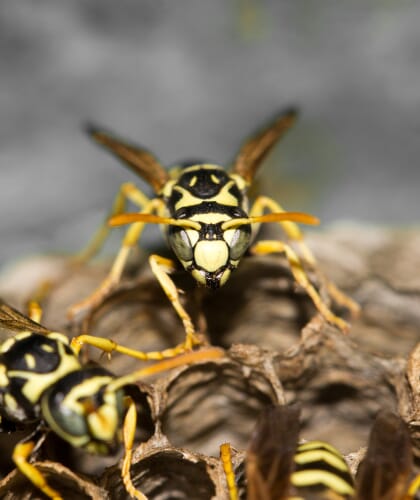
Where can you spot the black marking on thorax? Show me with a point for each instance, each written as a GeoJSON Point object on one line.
{"type": "Point", "coordinates": [203, 183]}
{"type": "Point", "coordinates": [42, 349]}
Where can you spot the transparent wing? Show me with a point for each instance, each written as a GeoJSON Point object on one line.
{"type": "Point", "coordinates": [270, 453]}
{"type": "Point", "coordinates": [138, 159]}
{"type": "Point", "coordinates": [383, 474]}
{"type": "Point", "coordinates": [257, 147]}
{"type": "Point", "coordinates": [14, 321]}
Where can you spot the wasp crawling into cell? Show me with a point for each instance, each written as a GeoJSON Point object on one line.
{"type": "Point", "coordinates": [208, 221]}
{"type": "Point", "coordinates": [278, 468]}
{"type": "Point", "coordinates": [43, 382]}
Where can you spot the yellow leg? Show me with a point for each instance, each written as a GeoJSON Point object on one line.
{"type": "Point", "coordinates": [226, 458]}
{"type": "Point", "coordinates": [20, 455]}
{"type": "Point", "coordinates": [129, 242]}
{"type": "Point", "coordinates": [161, 268]}
{"type": "Point", "coordinates": [266, 247]}
{"type": "Point", "coordinates": [413, 489]}
{"type": "Point", "coordinates": [129, 431]}
{"type": "Point", "coordinates": [109, 346]}
{"type": "Point", "coordinates": [35, 311]}
{"type": "Point", "coordinates": [294, 233]}
{"type": "Point", "coordinates": [127, 191]}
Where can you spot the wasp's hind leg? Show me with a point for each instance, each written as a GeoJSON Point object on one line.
{"type": "Point", "coordinates": [161, 268]}
{"type": "Point", "coordinates": [130, 240]}
{"type": "Point", "coordinates": [226, 459]}
{"type": "Point", "coordinates": [21, 453]}
{"type": "Point", "coordinates": [294, 233]}
{"type": "Point", "coordinates": [129, 431]}
{"type": "Point", "coordinates": [275, 246]}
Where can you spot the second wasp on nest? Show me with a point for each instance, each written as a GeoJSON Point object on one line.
{"type": "Point", "coordinates": [209, 223]}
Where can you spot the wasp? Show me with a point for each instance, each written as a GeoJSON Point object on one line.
{"type": "Point", "coordinates": [277, 467]}
{"type": "Point", "coordinates": [208, 221]}
{"type": "Point", "coordinates": [43, 383]}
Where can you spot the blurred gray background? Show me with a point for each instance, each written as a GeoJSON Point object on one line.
{"type": "Point", "coordinates": [193, 78]}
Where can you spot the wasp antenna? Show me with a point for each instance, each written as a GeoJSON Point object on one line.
{"type": "Point", "coordinates": [203, 355]}
{"type": "Point", "coordinates": [130, 218]}
{"type": "Point", "coordinates": [300, 217]}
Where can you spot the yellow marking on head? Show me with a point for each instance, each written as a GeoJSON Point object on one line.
{"type": "Point", "coordinates": [308, 478]}
{"type": "Point", "coordinates": [211, 255]}
{"type": "Point", "coordinates": [85, 389]}
{"type": "Point", "coordinates": [30, 361]}
{"type": "Point", "coordinates": [103, 423]}
{"type": "Point", "coordinates": [192, 236]}
{"type": "Point", "coordinates": [214, 179]}
{"type": "Point", "coordinates": [210, 218]}
{"type": "Point", "coordinates": [198, 276]}
{"type": "Point", "coordinates": [193, 181]}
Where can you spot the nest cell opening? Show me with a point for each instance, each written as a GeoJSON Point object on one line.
{"type": "Point", "coordinates": [213, 403]}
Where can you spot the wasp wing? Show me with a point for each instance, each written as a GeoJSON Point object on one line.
{"type": "Point", "coordinates": [269, 459]}
{"type": "Point", "coordinates": [13, 320]}
{"type": "Point", "coordinates": [141, 161]}
{"type": "Point", "coordinates": [255, 149]}
{"type": "Point", "coordinates": [383, 474]}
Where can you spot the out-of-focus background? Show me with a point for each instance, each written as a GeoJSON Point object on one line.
{"type": "Point", "coordinates": [193, 79]}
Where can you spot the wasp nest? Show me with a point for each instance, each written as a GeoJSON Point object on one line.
{"type": "Point", "coordinates": [277, 350]}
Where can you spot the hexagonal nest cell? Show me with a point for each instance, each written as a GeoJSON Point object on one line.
{"type": "Point", "coordinates": [278, 351]}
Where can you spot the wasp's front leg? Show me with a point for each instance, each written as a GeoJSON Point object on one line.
{"type": "Point", "coordinates": [161, 268]}
{"type": "Point", "coordinates": [274, 246]}
{"type": "Point", "coordinates": [130, 240]}
{"type": "Point", "coordinates": [294, 233]}
{"type": "Point", "coordinates": [129, 431]}
{"type": "Point", "coordinates": [226, 458]}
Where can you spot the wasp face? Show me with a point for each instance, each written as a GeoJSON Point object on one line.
{"type": "Point", "coordinates": [207, 195]}
{"type": "Point", "coordinates": [211, 253]}
{"type": "Point", "coordinates": [80, 410]}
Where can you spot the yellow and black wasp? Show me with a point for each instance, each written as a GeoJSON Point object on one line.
{"type": "Point", "coordinates": [43, 382]}
{"type": "Point", "coordinates": [208, 221]}
{"type": "Point", "coordinates": [278, 468]}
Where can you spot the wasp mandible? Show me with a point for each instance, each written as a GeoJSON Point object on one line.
{"type": "Point", "coordinates": [208, 220]}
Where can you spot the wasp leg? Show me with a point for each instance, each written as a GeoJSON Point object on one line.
{"type": "Point", "coordinates": [413, 489]}
{"type": "Point", "coordinates": [226, 458]}
{"type": "Point", "coordinates": [161, 268]}
{"type": "Point", "coordinates": [34, 310]}
{"type": "Point", "coordinates": [129, 242]}
{"type": "Point", "coordinates": [20, 457]}
{"type": "Point", "coordinates": [295, 234]}
{"type": "Point", "coordinates": [266, 247]}
{"type": "Point", "coordinates": [109, 346]}
{"type": "Point", "coordinates": [129, 430]}
{"type": "Point", "coordinates": [127, 191]}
